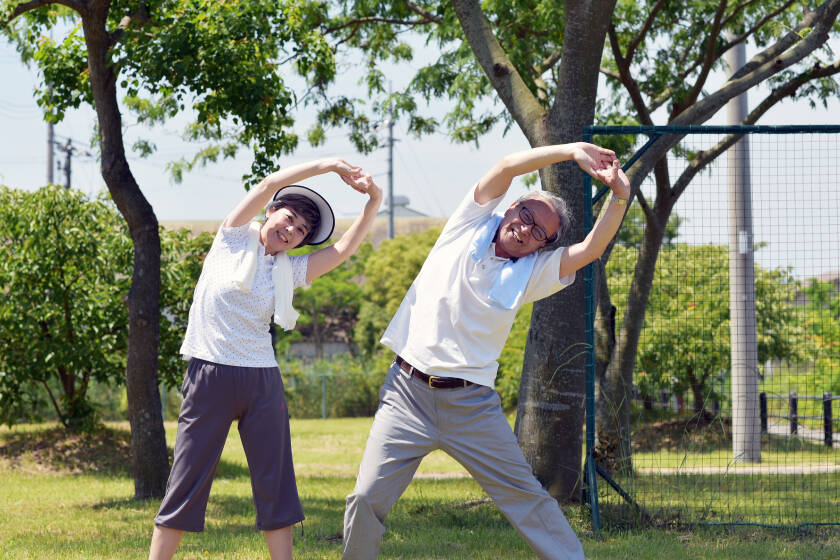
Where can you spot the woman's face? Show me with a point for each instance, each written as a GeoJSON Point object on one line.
{"type": "Point", "coordinates": [284, 229]}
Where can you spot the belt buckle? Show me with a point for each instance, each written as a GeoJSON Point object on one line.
{"type": "Point", "coordinates": [432, 379]}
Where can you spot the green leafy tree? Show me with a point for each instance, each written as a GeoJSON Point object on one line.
{"type": "Point", "coordinates": [329, 307]}
{"type": "Point", "coordinates": [389, 271]}
{"type": "Point", "coordinates": [182, 256]}
{"type": "Point", "coordinates": [686, 347]}
{"type": "Point", "coordinates": [216, 62]}
{"type": "Point", "coordinates": [645, 79]}
{"type": "Point", "coordinates": [822, 323]}
{"type": "Point", "coordinates": [535, 65]}
{"type": "Point", "coordinates": [65, 275]}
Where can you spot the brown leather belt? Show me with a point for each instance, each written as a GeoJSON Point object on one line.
{"type": "Point", "coordinates": [431, 380]}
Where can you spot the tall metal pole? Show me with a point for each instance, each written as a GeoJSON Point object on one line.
{"type": "Point", "coordinates": [68, 158]}
{"type": "Point", "coordinates": [746, 427]}
{"type": "Point", "coordinates": [50, 152]}
{"type": "Point", "coordinates": [390, 174]}
{"type": "Point", "coordinates": [50, 138]}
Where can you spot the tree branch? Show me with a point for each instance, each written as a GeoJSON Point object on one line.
{"type": "Point", "coordinates": [786, 90]}
{"type": "Point", "coordinates": [501, 72]}
{"type": "Point", "coordinates": [771, 61]}
{"type": "Point", "coordinates": [646, 26]}
{"type": "Point", "coordinates": [61, 417]}
{"type": "Point", "coordinates": [550, 61]}
{"type": "Point", "coordinates": [708, 62]}
{"type": "Point", "coordinates": [630, 84]}
{"type": "Point", "coordinates": [358, 22]}
{"type": "Point", "coordinates": [423, 13]}
{"type": "Point", "coordinates": [665, 95]}
{"type": "Point", "coordinates": [77, 5]}
{"type": "Point", "coordinates": [609, 73]}
{"type": "Point", "coordinates": [141, 17]}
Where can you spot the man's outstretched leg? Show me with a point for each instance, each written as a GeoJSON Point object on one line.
{"type": "Point", "coordinates": [401, 435]}
{"type": "Point", "coordinates": [484, 444]}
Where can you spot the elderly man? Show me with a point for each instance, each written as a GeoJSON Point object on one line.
{"type": "Point", "coordinates": [448, 334]}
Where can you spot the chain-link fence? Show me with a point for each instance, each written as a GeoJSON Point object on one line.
{"type": "Point", "coordinates": [332, 395]}
{"type": "Point", "coordinates": [725, 284]}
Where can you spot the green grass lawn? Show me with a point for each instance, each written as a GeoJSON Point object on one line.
{"type": "Point", "coordinates": [71, 498]}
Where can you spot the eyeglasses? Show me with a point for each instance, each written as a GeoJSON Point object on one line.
{"type": "Point", "coordinates": [537, 232]}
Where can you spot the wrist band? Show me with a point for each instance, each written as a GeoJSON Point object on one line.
{"type": "Point", "coordinates": [619, 201]}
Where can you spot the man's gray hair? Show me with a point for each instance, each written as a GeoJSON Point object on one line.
{"type": "Point", "coordinates": [559, 205]}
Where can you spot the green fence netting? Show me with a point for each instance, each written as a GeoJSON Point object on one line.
{"type": "Point", "coordinates": [732, 415]}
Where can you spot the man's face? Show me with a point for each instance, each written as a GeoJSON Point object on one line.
{"type": "Point", "coordinates": [525, 227]}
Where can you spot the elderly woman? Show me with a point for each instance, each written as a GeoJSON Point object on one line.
{"type": "Point", "coordinates": [246, 280]}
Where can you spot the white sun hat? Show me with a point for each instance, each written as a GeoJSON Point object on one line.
{"type": "Point", "coordinates": [327, 225]}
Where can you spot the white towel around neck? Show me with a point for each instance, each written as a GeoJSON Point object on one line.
{"type": "Point", "coordinates": [281, 276]}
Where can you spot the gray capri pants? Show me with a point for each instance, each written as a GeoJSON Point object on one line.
{"type": "Point", "coordinates": [214, 396]}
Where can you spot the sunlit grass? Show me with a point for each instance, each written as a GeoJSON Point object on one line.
{"type": "Point", "coordinates": [48, 512]}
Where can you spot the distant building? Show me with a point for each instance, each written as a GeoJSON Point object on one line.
{"type": "Point", "coordinates": [833, 277]}
{"type": "Point", "coordinates": [401, 209]}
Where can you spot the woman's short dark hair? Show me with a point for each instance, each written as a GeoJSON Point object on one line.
{"type": "Point", "coordinates": [304, 208]}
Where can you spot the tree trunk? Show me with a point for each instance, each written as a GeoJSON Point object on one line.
{"type": "Point", "coordinates": [549, 419]}
{"type": "Point", "coordinates": [148, 442]}
{"type": "Point", "coordinates": [613, 445]}
{"type": "Point", "coordinates": [610, 410]}
{"type": "Point", "coordinates": [696, 390]}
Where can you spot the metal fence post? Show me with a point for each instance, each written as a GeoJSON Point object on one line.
{"type": "Point", "coordinates": [827, 424]}
{"type": "Point", "coordinates": [590, 478]}
{"type": "Point", "coordinates": [323, 395]}
{"type": "Point", "coordinates": [794, 416]}
{"type": "Point", "coordinates": [762, 406]}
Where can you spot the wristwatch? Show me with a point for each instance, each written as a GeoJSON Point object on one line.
{"type": "Point", "coordinates": [619, 201]}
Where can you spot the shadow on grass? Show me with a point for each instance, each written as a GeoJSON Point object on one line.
{"type": "Point", "coordinates": [106, 451]}
{"type": "Point", "coordinates": [54, 449]}
{"type": "Point", "coordinates": [418, 527]}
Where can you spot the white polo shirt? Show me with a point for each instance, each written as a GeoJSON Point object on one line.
{"type": "Point", "coordinates": [447, 325]}
{"type": "Point", "coordinates": [229, 326]}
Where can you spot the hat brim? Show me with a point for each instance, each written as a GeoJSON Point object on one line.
{"type": "Point", "coordinates": [327, 225]}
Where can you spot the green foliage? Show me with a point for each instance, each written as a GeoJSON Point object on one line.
{"type": "Point", "coordinates": [667, 75]}
{"type": "Point", "coordinates": [66, 265]}
{"type": "Point", "coordinates": [65, 274]}
{"type": "Point", "coordinates": [341, 386]}
{"type": "Point", "coordinates": [822, 325]}
{"type": "Point", "coordinates": [632, 231]}
{"type": "Point", "coordinates": [389, 272]}
{"type": "Point", "coordinates": [182, 256]}
{"type": "Point", "coordinates": [685, 343]}
{"type": "Point", "coordinates": [218, 62]}
{"type": "Point", "coordinates": [329, 306]}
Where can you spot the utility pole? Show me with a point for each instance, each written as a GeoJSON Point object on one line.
{"type": "Point", "coordinates": [390, 174]}
{"type": "Point", "coordinates": [50, 152]}
{"type": "Point", "coordinates": [68, 162]}
{"type": "Point", "coordinates": [50, 138]}
{"type": "Point", "coordinates": [746, 427]}
{"type": "Point", "coordinates": [69, 150]}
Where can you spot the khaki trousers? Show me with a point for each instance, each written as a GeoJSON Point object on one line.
{"type": "Point", "coordinates": [468, 424]}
